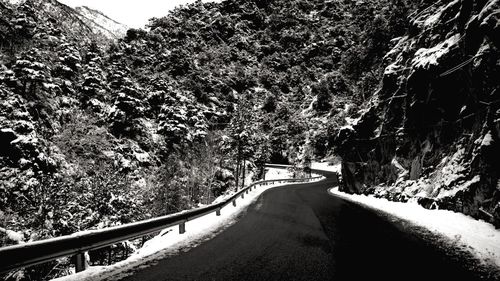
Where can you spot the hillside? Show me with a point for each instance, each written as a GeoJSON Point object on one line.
{"type": "Point", "coordinates": [306, 64]}
{"type": "Point", "coordinates": [430, 133]}
{"type": "Point", "coordinates": [102, 23]}
{"type": "Point", "coordinates": [83, 24]}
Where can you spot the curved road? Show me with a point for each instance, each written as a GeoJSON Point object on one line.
{"type": "Point", "coordinates": [299, 232]}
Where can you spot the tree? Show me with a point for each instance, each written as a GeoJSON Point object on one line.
{"type": "Point", "coordinates": [30, 72]}
{"type": "Point", "coordinates": [270, 104]}
{"type": "Point", "coordinates": [182, 122]}
{"type": "Point", "coordinates": [93, 85]}
{"type": "Point", "coordinates": [242, 137]}
{"type": "Point", "coordinates": [69, 62]}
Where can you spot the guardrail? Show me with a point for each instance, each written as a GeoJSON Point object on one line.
{"type": "Point", "coordinates": [33, 253]}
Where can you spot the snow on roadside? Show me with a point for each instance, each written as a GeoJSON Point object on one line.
{"type": "Point", "coordinates": [13, 235]}
{"type": "Point", "coordinates": [274, 174]}
{"type": "Point", "coordinates": [14, 2]}
{"type": "Point", "coordinates": [478, 237]}
{"type": "Point", "coordinates": [169, 242]}
{"type": "Point", "coordinates": [326, 166]}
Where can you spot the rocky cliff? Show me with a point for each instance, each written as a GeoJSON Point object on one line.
{"type": "Point", "coordinates": [431, 132]}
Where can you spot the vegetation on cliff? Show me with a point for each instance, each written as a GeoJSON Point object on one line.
{"type": "Point", "coordinates": [431, 132]}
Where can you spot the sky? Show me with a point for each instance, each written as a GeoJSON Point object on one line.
{"type": "Point", "coordinates": [133, 13]}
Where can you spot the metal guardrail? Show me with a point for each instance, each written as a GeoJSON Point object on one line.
{"type": "Point", "coordinates": [33, 253]}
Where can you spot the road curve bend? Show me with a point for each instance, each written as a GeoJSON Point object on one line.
{"type": "Point", "coordinates": [300, 232]}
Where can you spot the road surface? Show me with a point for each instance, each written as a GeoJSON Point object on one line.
{"type": "Point", "coordinates": [300, 232]}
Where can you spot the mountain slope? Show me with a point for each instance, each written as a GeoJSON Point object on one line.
{"type": "Point", "coordinates": [82, 23]}
{"type": "Point", "coordinates": [101, 132]}
{"type": "Point", "coordinates": [431, 133]}
{"type": "Point", "coordinates": [98, 21]}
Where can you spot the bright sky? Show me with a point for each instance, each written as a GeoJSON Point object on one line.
{"type": "Point", "coordinates": [133, 13]}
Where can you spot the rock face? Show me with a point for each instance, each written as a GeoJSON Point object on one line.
{"type": "Point", "coordinates": [431, 133]}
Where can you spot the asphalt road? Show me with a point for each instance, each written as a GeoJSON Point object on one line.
{"type": "Point", "coordinates": [299, 232]}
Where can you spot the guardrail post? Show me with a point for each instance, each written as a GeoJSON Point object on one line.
{"type": "Point", "coordinates": [217, 212]}
{"type": "Point", "coordinates": [125, 250]}
{"type": "Point", "coordinates": [110, 252]}
{"type": "Point", "coordinates": [243, 195]}
{"type": "Point", "coordinates": [80, 262]}
{"type": "Point", "coordinates": [234, 202]}
{"type": "Point", "coordinates": [182, 227]}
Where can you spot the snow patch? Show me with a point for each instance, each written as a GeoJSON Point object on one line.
{"type": "Point", "coordinates": [351, 121]}
{"type": "Point", "coordinates": [450, 171]}
{"type": "Point", "coordinates": [401, 41]}
{"type": "Point", "coordinates": [464, 186]}
{"type": "Point", "coordinates": [487, 140]}
{"type": "Point", "coordinates": [274, 174]}
{"type": "Point", "coordinates": [15, 2]}
{"type": "Point", "coordinates": [432, 19]}
{"type": "Point", "coordinates": [425, 58]}
{"type": "Point", "coordinates": [142, 157]}
{"type": "Point", "coordinates": [13, 235]}
{"type": "Point", "coordinates": [310, 109]}
{"type": "Point", "coordinates": [393, 68]}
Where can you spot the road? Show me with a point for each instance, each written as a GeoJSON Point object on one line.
{"type": "Point", "coordinates": [299, 232]}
